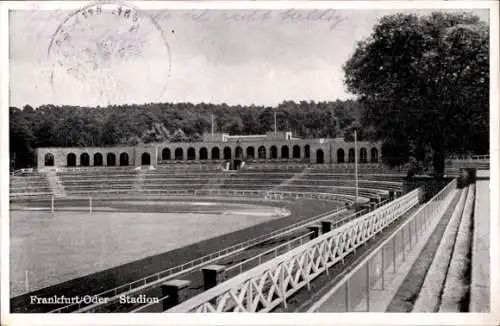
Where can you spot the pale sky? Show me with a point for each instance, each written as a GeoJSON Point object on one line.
{"type": "Point", "coordinates": [214, 57]}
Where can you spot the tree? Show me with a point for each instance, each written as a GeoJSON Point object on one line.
{"type": "Point", "coordinates": [128, 125]}
{"type": "Point", "coordinates": [179, 136]}
{"type": "Point", "coordinates": [425, 80]}
{"type": "Point", "coordinates": [21, 139]}
{"type": "Point", "coordinates": [266, 119]}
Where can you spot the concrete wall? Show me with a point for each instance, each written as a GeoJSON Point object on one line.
{"type": "Point", "coordinates": [369, 149]}
{"type": "Point", "coordinates": [320, 151]}
{"type": "Point", "coordinates": [61, 154]}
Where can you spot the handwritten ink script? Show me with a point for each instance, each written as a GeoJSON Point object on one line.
{"type": "Point", "coordinates": [330, 16]}
{"type": "Point", "coordinates": [40, 23]}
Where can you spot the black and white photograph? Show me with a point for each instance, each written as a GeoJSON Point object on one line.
{"type": "Point", "coordinates": [166, 159]}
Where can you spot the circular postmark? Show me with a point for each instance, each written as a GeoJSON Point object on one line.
{"type": "Point", "coordinates": [109, 53]}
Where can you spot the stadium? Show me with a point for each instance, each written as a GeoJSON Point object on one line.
{"type": "Point", "coordinates": [251, 189]}
{"type": "Point", "coordinates": [373, 204]}
{"type": "Point", "coordinates": [182, 212]}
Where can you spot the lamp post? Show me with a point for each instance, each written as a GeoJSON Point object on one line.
{"type": "Point", "coordinates": [275, 124]}
{"type": "Point", "coordinates": [212, 127]}
{"type": "Point", "coordinates": [356, 127]}
{"type": "Point", "coordinates": [356, 165]}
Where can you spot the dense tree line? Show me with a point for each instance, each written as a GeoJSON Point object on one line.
{"type": "Point", "coordinates": [422, 87]}
{"type": "Point", "coordinates": [423, 82]}
{"type": "Point", "coordinates": [71, 126]}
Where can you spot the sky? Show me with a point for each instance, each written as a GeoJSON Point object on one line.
{"type": "Point", "coordinates": [237, 57]}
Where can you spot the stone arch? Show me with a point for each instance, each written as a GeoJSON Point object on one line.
{"type": "Point", "coordinates": [203, 153]}
{"type": "Point", "coordinates": [84, 159]}
{"type": "Point", "coordinates": [340, 155]}
{"type": "Point", "coordinates": [49, 159]}
{"type": "Point", "coordinates": [227, 153]}
{"type": "Point", "coordinates": [124, 161]}
{"type": "Point", "coordinates": [166, 155]}
{"type": "Point", "coordinates": [238, 153]}
{"type": "Point", "coordinates": [262, 152]}
{"type": "Point", "coordinates": [145, 159]}
{"type": "Point", "coordinates": [374, 155]}
{"type": "Point", "coordinates": [296, 151]}
{"type": "Point", "coordinates": [179, 154]}
{"type": "Point", "coordinates": [111, 159]}
{"type": "Point", "coordinates": [71, 159]}
{"type": "Point", "coordinates": [320, 156]}
{"type": "Point", "coordinates": [285, 152]}
{"type": "Point", "coordinates": [215, 153]}
{"type": "Point", "coordinates": [98, 160]}
{"type": "Point", "coordinates": [250, 152]}
{"type": "Point", "coordinates": [307, 151]}
{"type": "Point", "coordinates": [363, 155]}
{"type": "Point", "coordinates": [352, 155]}
{"type": "Point", "coordinates": [274, 152]}
{"type": "Point", "coordinates": [191, 154]}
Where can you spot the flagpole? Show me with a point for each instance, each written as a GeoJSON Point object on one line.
{"type": "Point", "coordinates": [356, 165]}
{"type": "Point", "coordinates": [212, 127]}
{"type": "Point", "coordinates": [275, 125]}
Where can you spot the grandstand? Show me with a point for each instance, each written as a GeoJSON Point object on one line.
{"type": "Point", "coordinates": [191, 180]}
{"type": "Point", "coordinates": [275, 181]}
{"type": "Point", "coordinates": [30, 185]}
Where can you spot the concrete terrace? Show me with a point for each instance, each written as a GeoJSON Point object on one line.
{"type": "Point", "coordinates": [448, 269]}
{"type": "Point", "coordinates": [480, 276]}
{"type": "Point", "coordinates": [417, 256]}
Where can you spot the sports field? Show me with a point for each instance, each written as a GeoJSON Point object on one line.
{"type": "Point", "coordinates": [48, 248]}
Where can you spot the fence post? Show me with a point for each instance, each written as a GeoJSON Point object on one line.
{"type": "Point", "coordinates": [306, 263]}
{"type": "Point", "coordinates": [175, 292]}
{"type": "Point", "coordinates": [52, 204]}
{"type": "Point", "coordinates": [282, 283]}
{"type": "Point", "coordinates": [410, 237]}
{"type": "Point", "coordinates": [90, 205]}
{"type": "Point", "coordinates": [250, 297]}
{"type": "Point", "coordinates": [415, 229]}
{"type": "Point", "coordinates": [383, 267]}
{"type": "Point", "coordinates": [347, 296]}
{"type": "Point", "coordinates": [315, 231]}
{"type": "Point", "coordinates": [212, 275]}
{"type": "Point", "coordinates": [428, 212]}
{"type": "Point", "coordinates": [368, 270]}
{"type": "Point", "coordinates": [403, 243]}
{"type": "Point", "coordinates": [394, 253]}
{"type": "Point", "coordinates": [326, 226]}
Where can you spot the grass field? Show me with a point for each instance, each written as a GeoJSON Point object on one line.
{"type": "Point", "coordinates": [49, 248]}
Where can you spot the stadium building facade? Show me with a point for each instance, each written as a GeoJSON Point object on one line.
{"type": "Point", "coordinates": [217, 147]}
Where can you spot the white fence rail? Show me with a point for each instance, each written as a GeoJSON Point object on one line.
{"type": "Point", "coordinates": [470, 157]}
{"type": "Point", "coordinates": [276, 195]}
{"type": "Point", "coordinates": [354, 291]}
{"type": "Point", "coordinates": [264, 287]}
{"type": "Point", "coordinates": [246, 195]}
{"type": "Point", "coordinates": [274, 252]}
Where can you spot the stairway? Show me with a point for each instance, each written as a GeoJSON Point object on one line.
{"type": "Point", "coordinates": [214, 183]}
{"type": "Point", "coordinates": [55, 184]}
{"type": "Point", "coordinates": [218, 180]}
{"type": "Point", "coordinates": [286, 182]}
{"type": "Point", "coordinates": [139, 182]}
